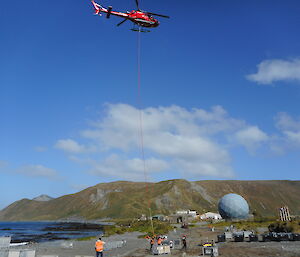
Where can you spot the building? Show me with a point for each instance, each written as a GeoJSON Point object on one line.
{"type": "Point", "coordinates": [183, 216]}
{"type": "Point", "coordinates": [210, 216]}
{"type": "Point", "coordinates": [189, 213]}
{"type": "Point", "coordinates": [143, 217]}
{"type": "Point", "coordinates": [159, 217]}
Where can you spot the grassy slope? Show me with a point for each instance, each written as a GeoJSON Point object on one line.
{"type": "Point", "coordinates": [263, 196]}
{"type": "Point", "coordinates": [130, 199]}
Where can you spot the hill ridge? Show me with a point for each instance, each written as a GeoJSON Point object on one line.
{"type": "Point", "coordinates": [129, 199]}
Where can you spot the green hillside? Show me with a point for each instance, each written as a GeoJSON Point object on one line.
{"type": "Point", "coordinates": [124, 199]}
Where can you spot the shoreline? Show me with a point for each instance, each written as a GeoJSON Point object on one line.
{"type": "Point", "coordinates": [42, 231]}
{"type": "Point", "coordinates": [71, 248]}
{"type": "Point", "coordinates": [99, 222]}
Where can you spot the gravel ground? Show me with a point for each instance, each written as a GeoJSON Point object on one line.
{"type": "Point", "coordinates": [243, 249]}
{"type": "Point", "coordinates": [86, 248]}
{"type": "Point", "coordinates": [136, 247]}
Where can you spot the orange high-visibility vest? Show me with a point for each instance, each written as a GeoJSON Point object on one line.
{"type": "Point", "coordinates": [159, 241]}
{"type": "Point", "coordinates": [99, 246]}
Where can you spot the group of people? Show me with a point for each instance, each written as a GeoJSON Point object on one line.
{"type": "Point", "coordinates": [159, 240]}
{"type": "Point", "coordinates": [156, 239]}
{"type": "Point", "coordinates": [99, 245]}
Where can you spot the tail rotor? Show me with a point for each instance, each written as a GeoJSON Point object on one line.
{"type": "Point", "coordinates": [108, 12]}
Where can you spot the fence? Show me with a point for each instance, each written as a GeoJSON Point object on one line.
{"type": "Point", "coordinates": [21, 253]}
{"type": "Point", "coordinates": [4, 242]}
{"type": "Point", "coordinates": [4, 252]}
{"type": "Point", "coordinates": [4, 246]}
{"type": "Point", "coordinates": [114, 244]}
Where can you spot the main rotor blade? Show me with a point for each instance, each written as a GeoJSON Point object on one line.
{"type": "Point", "coordinates": [137, 4]}
{"type": "Point", "coordinates": [160, 15]}
{"type": "Point", "coordinates": [121, 22]}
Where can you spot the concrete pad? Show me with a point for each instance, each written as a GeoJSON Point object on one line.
{"type": "Point", "coordinates": [14, 254]}
{"type": "Point", "coordinates": [5, 241]}
{"type": "Point", "coordinates": [27, 253]}
{"type": "Point", "coordinates": [3, 253]}
{"type": "Point", "coordinates": [47, 256]}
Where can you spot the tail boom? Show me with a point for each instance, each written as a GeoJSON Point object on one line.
{"type": "Point", "coordinates": [98, 9]}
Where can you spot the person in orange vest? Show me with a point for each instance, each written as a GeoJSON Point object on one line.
{"type": "Point", "coordinates": [151, 243]}
{"type": "Point", "coordinates": [159, 241]}
{"type": "Point", "coordinates": [99, 247]}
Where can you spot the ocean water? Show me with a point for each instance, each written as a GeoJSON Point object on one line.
{"type": "Point", "coordinates": [46, 231]}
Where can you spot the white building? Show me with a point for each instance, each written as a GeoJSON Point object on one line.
{"type": "Point", "coordinates": [210, 215]}
{"type": "Point", "coordinates": [187, 213]}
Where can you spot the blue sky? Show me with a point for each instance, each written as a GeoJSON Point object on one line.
{"type": "Point", "coordinates": [220, 94]}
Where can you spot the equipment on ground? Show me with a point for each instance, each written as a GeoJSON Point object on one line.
{"type": "Point", "coordinates": [210, 249]}
{"type": "Point", "coordinates": [253, 238]}
{"type": "Point", "coordinates": [296, 237]}
{"type": "Point", "coordinates": [238, 237]}
{"type": "Point", "coordinates": [249, 236]}
{"type": "Point", "coordinates": [139, 17]}
{"type": "Point", "coordinates": [228, 235]}
{"type": "Point", "coordinates": [278, 237]}
{"type": "Point", "coordinates": [161, 249]}
{"type": "Point", "coordinates": [221, 238]}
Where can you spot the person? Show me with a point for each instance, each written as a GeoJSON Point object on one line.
{"type": "Point", "coordinates": [159, 241]}
{"type": "Point", "coordinates": [151, 243]}
{"type": "Point", "coordinates": [171, 244]}
{"type": "Point", "coordinates": [99, 247]}
{"type": "Point", "coordinates": [184, 242]}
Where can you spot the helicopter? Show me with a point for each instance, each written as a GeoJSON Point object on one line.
{"type": "Point", "coordinates": [139, 17]}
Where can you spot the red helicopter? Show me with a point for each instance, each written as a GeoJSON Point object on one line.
{"type": "Point", "coordinates": [138, 17]}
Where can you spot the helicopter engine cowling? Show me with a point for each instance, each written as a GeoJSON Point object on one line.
{"type": "Point", "coordinates": [108, 11]}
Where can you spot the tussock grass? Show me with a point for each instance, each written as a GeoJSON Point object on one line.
{"type": "Point", "coordinates": [269, 222]}
{"type": "Point", "coordinates": [87, 238]}
{"type": "Point", "coordinates": [128, 225]}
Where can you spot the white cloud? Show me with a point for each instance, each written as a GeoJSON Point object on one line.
{"type": "Point", "coordinates": [128, 169]}
{"type": "Point", "coordinates": [37, 170]}
{"type": "Point", "coordinates": [3, 164]}
{"type": "Point", "coordinates": [188, 143]}
{"type": "Point", "coordinates": [31, 170]}
{"type": "Point", "coordinates": [71, 146]}
{"type": "Point", "coordinates": [251, 137]}
{"type": "Point", "coordinates": [202, 167]}
{"type": "Point", "coordinates": [276, 70]}
{"type": "Point", "coordinates": [290, 131]}
{"type": "Point", "coordinates": [120, 126]}
{"type": "Point", "coordinates": [40, 149]}
{"type": "Point", "coordinates": [293, 137]}
{"type": "Point", "coordinates": [285, 122]}
{"type": "Point", "coordinates": [79, 187]}
{"type": "Point", "coordinates": [183, 138]}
